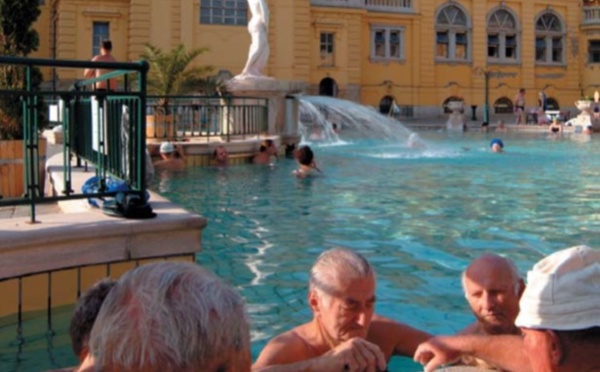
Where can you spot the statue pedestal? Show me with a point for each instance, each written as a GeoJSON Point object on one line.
{"type": "Point", "coordinates": [273, 90]}
{"type": "Point", "coordinates": [456, 120]}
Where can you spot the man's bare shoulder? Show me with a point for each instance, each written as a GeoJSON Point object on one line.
{"type": "Point", "coordinates": [395, 338]}
{"type": "Point", "coordinates": [104, 58]}
{"type": "Point", "coordinates": [289, 347]}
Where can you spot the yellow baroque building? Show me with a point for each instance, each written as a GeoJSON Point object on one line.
{"type": "Point", "coordinates": [416, 54]}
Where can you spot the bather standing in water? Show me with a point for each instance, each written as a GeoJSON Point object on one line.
{"type": "Point", "coordinates": [267, 153]}
{"type": "Point", "coordinates": [306, 161]}
{"type": "Point", "coordinates": [555, 127]}
{"type": "Point", "coordinates": [171, 157]}
{"type": "Point", "coordinates": [221, 156]}
{"type": "Point", "coordinates": [345, 333]}
{"type": "Point", "coordinates": [492, 286]}
{"type": "Point", "coordinates": [496, 145]}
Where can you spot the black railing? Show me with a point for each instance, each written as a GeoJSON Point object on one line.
{"type": "Point", "coordinates": [205, 116]}
{"type": "Point", "coordinates": [106, 128]}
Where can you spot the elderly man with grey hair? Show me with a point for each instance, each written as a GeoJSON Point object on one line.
{"type": "Point", "coordinates": [170, 316]}
{"type": "Point", "coordinates": [559, 318]}
{"type": "Point", "coordinates": [345, 334]}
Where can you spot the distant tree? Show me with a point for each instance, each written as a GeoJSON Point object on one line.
{"type": "Point", "coordinates": [17, 38]}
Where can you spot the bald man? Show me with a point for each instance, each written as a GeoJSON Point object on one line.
{"type": "Point", "coordinates": [492, 287]}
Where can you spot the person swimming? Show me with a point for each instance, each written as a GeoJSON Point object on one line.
{"type": "Point", "coordinates": [496, 145]}
{"type": "Point", "coordinates": [555, 127]}
{"type": "Point", "coordinates": [308, 167]}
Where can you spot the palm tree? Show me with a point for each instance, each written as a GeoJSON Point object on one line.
{"type": "Point", "coordinates": [171, 72]}
{"type": "Point", "coordinates": [212, 85]}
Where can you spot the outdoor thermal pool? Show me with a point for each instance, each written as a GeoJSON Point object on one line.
{"type": "Point", "coordinates": [418, 215]}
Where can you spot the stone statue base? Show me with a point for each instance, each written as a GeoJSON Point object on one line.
{"type": "Point", "coordinates": [249, 77]}
{"type": "Point", "coordinates": [250, 86]}
{"type": "Point", "coordinates": [456, 121]}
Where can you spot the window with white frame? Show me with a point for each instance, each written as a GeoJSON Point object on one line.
{"type": "Point", "coordinates": [326, 45]}
{"type": "Point", "coordinates": [549, 39]}
{"type": "Point", "coordinates": [100, 32]}
{"type": "Point", "coordinates": [594, 51]}
{"type": "Point", "coordinates": [502, 37]}
{"type": "Point", "coordinates": [387, 43]}
{"type": "Point", "coordinates": [452, 34]}
{"type": "Point", "coordinates": [224, 12]}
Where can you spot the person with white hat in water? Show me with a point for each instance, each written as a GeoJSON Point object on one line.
{"type": "Point", "coordinates": [171, 157]}
{"type": "Point", "coordinates": [559, 319]}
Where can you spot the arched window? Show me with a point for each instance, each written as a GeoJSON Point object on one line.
{"type": "Point", "coordinates": [552, 104]}
{"type": "Point", "coordinates": [549, 39]}
{"type": "Point", "coordinates": [328, 87]}
{"type": "Point", "coordinates": [503, 105]}
{"type": "Point", "coordinates": [453, 33]}
{"type": "Point", "coordinates": [451, 98]}
{"type": "Point", "coordinates": [502, 37]}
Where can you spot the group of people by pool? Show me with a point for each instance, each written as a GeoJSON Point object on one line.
{"type": "Point", "coordinates": [304, 156]}
{"type": "Point", "coordinates": [177, 316]}
{"type": "Point", "coordinates": [172, 157]}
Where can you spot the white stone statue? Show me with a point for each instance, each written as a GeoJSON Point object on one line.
{"type": "Point", "coordinates": [258, 27]}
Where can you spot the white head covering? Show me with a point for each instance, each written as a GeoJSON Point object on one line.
{"type": "Point", "coordinates": [563, 291]}
{"type": "Point", "coordinates": [166, 147]}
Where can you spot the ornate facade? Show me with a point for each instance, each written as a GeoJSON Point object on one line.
{"type": "Point", "coordinates": [418, 54]}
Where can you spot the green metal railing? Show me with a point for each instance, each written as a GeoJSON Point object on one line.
{"type": "Point", "coordinates": [105, 128]}
{"type": "Point", "coordinates": [206, 116]}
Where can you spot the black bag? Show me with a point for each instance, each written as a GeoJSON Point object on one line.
{"type": "Point", "coordinates": [128, 205]}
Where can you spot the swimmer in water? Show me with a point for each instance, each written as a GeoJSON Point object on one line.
{"type": "Point", "coordinates": [306, 161]}
{"type": "Point", "coordinates": [496, 145]}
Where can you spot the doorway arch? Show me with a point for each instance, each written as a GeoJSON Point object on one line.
{"type": "Point", "coordinates": [503, 105]}
{"type": "Point", "coordinates": [385, 105]}
{"type": "Point", "coordinates": [328, 87]}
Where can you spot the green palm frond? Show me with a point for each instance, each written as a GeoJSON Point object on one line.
{"type": "Point", "coordinates": [171, 72]}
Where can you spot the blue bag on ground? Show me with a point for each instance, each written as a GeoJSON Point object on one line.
{"type": "Point", "coordinates": [92, 186]}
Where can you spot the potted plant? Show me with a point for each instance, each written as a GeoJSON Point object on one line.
{"type": "Point", "coordinates": [170, 74]}
{"type": "Point", "coordinates": [17, 38]}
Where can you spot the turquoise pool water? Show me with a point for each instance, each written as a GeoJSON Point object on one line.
{"type": "Point", "coordinates": [418, 215]}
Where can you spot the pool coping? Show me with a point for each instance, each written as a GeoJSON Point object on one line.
{"type": "Point", "coordinates": [80, 235]}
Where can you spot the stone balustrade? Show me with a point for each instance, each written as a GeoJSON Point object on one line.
{"type": "Point", "coordinates": [402, 6]}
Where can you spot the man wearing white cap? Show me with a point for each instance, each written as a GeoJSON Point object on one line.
{"type": "Point", "coordinates": [171, 157]}
{"type": "Point", "coordinates": [559, 318]}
